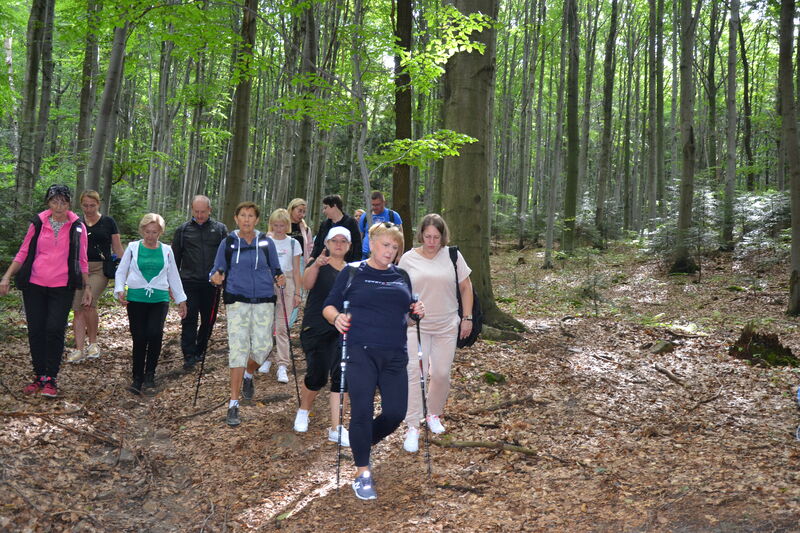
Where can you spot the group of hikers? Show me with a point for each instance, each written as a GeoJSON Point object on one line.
{"type": "Point", "coordinates": [362, 319]}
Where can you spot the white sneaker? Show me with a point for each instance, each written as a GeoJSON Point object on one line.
{"type": "Point", "coordinates": [76, 356]}
{"type": "Point", "coordinates": [411, 444]}
{"type": "Point", "coordinates": [301, 421]}
{"type": "Point", "coordinates": [283, 377]}
{"type": "Point", "coordinates": [435, 424]}
{"type": "Point", "coordinates": [93, 351]}
{"type": "Point", "coordinates": [264, 369]}
{"type": "Point", "coordinates": [333, 436]}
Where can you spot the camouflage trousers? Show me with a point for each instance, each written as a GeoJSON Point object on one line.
{"type": "Point", "coordinates": [249, 332]}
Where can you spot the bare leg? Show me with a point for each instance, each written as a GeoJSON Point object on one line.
{"type": "Point", "coordinates": [307, 397]}
{"type": "Point", "coordinates": [92, 323]}
{"type": "Point", "coordinates": [236, 381]}
{"type": "Point", "coordinates": [79, 327]}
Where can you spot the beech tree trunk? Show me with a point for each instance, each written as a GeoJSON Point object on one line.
{"type": "Point", "coordinates": [790, 141]}
{"type": "Point", "coordinates": [45, 94]}
{"type": "Point", "coordinates": [401, 174]}
{"type": "Point", "coordinates": [87, 95]}
{"type": "Point", "coordinates": [573, 143]}
{"type": "Point", "coordinates": [604, 172]}
{"type": "Point", "coordinates": [730, 98]}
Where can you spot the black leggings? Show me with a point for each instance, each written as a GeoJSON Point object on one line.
{"type": "Point", "coordinates": [47, 310]}
{"type": "Point", "coordinates": [323, 358]}
{"type": "Point", "coordinates": [147, 330]}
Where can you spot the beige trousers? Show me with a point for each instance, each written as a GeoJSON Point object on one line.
{"type": "Point", "coordinates": [281, 335]}
{"type": "Point", "coordinates": [438, 351]}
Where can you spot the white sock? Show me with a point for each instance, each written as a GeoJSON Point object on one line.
{"type": "Point", "coordinates": [233, 403]}
{"type": "Point", "coordinates": [248, 375]}
{"type": "Point", "coordinates": [304, 411]}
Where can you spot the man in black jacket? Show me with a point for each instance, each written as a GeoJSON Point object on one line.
{"type": "Point", "coordinates": [195, 245]}
{"type": "Point", "coordinates": [332, 208]}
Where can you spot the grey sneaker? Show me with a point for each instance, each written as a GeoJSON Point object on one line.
{"type": "Point", "coordinates": [364, 488]}
{"type": "Point", "coordinates": [233, 416]}
{"type": "Point", "coordinates": [248, 389]}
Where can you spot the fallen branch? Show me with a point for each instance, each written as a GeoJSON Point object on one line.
{"type": "Point", "coordinates": [672, 377]}
{"type": "Point", "coordinates": [507, 404]}
{"type": "Point", "coordinates": [24, 414]}
{"type": "Point", "coordinates": [704, 401]}
{"type": "Point", "coordinates": [203, 412]}
{"type": "Point", "coordinates": [105, 439]}
{"type": "Point", "coordinates": [609, 418]}
{"type": "Point", "coordinates": [484, 444]}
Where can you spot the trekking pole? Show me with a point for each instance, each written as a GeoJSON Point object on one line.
{"type": "Point", "coordinates": [212, 320]}
{"type": "Point", "coordinates": [342, 366]}
{"type": "Point", "coordinates": [422, 388]}
{"type": "Point", "coordinates": [289, 339]}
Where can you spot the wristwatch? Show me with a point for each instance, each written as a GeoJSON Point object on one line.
{"type": "Point", "coordinates": [467, 317]}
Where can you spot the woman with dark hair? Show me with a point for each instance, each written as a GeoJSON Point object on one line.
{"type": "Point", "coordinates": [433, 276]}
{"type": "Point", "coordinates": [50, 265]}
{"type": "Point", "coordinates": [380, 301]}
{"type": "Point", "coordinates": [104, 245]}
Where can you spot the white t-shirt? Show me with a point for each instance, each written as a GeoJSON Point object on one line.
{"type": "Point", "coordinates": [287, 249]}
{"type": "Point", "coordinates": [435, 282]}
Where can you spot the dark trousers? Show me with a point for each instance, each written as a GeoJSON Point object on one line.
{"type": "Point", "coordinates": [47, 310]}
{"type": "Point", "coordinates": [323, 358]}
{"type": "Point", "coordinates": [200, 301]}
{"type": "Point", "coordinates": [147, 330]}
{"type": "Point", "coordinates": [370, 368]}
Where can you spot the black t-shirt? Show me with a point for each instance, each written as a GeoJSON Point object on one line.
{"type": "Point", "coordinates": [100, 237]}
{"type": "Point", "coordinates": [298, 235]}
{"type": "Point", "coordinates": [313, 321]}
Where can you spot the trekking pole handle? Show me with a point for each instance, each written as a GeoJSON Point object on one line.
{"type": "Point", "coordinates": [414, 299]}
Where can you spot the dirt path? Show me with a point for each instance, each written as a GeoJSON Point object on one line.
{"type": "Point", "coordinates": [619, 438]}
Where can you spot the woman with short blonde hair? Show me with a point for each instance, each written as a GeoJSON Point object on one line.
{"type": "Point", "coordinates": [145, 277]}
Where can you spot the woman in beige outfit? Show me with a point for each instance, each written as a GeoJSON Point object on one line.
{"type": "Point", "coordinates": [433, 278]}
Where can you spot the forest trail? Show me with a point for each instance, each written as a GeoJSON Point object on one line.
{"type": "Point", "coordinates": [620, 438]}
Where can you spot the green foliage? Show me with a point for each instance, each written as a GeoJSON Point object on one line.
{"type": "Point", "coordinates": [418, 152]}
{"type": "Point", "coordinates": [493, 378]}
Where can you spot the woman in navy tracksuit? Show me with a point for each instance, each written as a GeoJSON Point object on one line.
{"type": "Point", "coordinates": [380, 300]}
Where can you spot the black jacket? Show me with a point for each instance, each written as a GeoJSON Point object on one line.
{"type": "Point", "coordinates": [346, 222]}
{"type": "Point", "coordinates": [195, 247]}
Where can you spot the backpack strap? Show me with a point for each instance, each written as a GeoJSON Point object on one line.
{"type": "Point", "coordinates": [229, 240]}
{"type": "Point", "coordinates": [454, 258]}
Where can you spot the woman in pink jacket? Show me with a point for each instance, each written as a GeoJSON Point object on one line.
{"type": "Point", "coordinates": [50, 265]}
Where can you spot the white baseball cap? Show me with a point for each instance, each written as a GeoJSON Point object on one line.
{"type": "Point", "coordinates": [338, 230]}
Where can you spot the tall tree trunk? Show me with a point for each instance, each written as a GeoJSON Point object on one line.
{"type": "Point", "coordinates": [592, 20]}
{"type": "Point", "coordinates": [660, 178]}
{"type": "Point", "coordinates": [8, 47]}
{"type": "Point", "coordinates": [604, 174]}
{"type": "Point", "coordinates": [747, 126]}
{"type": "Point", "coordinates": [730, 98]}
{"type": "Point", "coordinates": [711, 89]}
{"type": "Point", "coordinates": [240, 140]}
{"type": "Point", "coordinates": [46, 90]}
{"type": "Point", "coordinates": [161, 121]}
{"type": "Point", "coordinates": [87, 95]}
{"type": "Point", "coordinates": [401, 174]}
{"type": "Point", "coordinates": [683, 259]}
{"type": "Point", "coordinates": [25, 178]}
{"type": "Point", "coordinates": [308, 67]}
{"type": "Point", "coordinates": [652, 128]}
{"type": "Point", "coordinates": [790, 141]}
{"type": "Point", "coordinates": [116, 64]}
{"type": "Point", "coordinates": [469, 87]}
{"type": "Point", "coordinates": [557, 156]}
{"type": "Point", "coordinates": [571, 188]}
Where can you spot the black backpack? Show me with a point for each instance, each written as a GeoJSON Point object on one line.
{"type": "Point", "coordinates": [477, 313]}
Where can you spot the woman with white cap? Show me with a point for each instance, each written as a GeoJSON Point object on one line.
{"type": "Point", "coordinates": [319, 338]}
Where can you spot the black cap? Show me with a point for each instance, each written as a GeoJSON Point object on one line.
{"type": "Point", "coordinates": [57, 190]}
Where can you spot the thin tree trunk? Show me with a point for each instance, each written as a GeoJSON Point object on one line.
{"type": "Point", "coordinates": [13, 144]}
{"type": "Point", "coordinates": [652, 128]}
{"type": "Point", "coordinates": [604, 174]}
{"type": "Point", "coordinates": [711, 88]}
{"type": "Point", "coordinates": [592, 18]}
{"type": "Point", "coordinates": [573, 142]}
{"type": "Point", "coordinates": [308, 67]}
{"type": "Point", "coordinates": [730, 167]}
{"type": "Point", "coordinates": [660, 179]}
{"type": "Point", "coordinates": [747, 126]}
{"type": "Point", "coordinates": [46, 90]}
{"type": "Point", "coordinates": [87, 95]}
{"type": "Point", "coordinates": [401, 174]}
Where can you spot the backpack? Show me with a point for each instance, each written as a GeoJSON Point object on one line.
{"type": "Point", "coordinates": [477, 313]}
{"type": "Point", "coordinates": [363, 227]}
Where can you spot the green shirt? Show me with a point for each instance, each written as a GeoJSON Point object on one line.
{"type": "Point", "coordinates": [150, 263]}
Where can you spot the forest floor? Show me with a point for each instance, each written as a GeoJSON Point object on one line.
{"type": "Point", "coordinates": [605, 427]}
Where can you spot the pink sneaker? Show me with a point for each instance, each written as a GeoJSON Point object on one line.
{"type": "Point", "coordinates": [49, 388]}
{"type": "Point", "coordinates": [35, 387]}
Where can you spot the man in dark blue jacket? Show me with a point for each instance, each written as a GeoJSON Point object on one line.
{"type": "Point", "coordinates": [195, 244]}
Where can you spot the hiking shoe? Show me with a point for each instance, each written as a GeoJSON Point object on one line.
{"type": "Point", "coordinates": [264, 369]}
{"type": "Point", "coordinates": [301, 421]}
{"type": "Point", "coordinates": [35, 387]}
{"type": "Point", "coordinates": [92, 351]}
{"type": "Point", "coordinates": [76, 356]}
{"type": "Point", "coordinates": [364, 488]}
{"type": "Point", "coordinates": [135, 387]}
{"type": "Point", "coordinates": [283, 377]}
{"type": "Point", "coordinates": [435, 424]}
{"type": "Point", "coordinates": [188, 363]}
{"type": "Point", "coordinates": [149, 384]}
{"type": "Point", "coordinates": [49, 387]}
{"type": "Point", "coordinates": [233, 416]}
{"type": "Point", "coordinates": [411, 444]}
{"type": "Point", "coordinates": [333, 436]}
{"type": "Point", "coordinates": [248, 389]}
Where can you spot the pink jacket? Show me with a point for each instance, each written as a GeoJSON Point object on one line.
{"type": "Point", "coordinates": [50, 264]}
